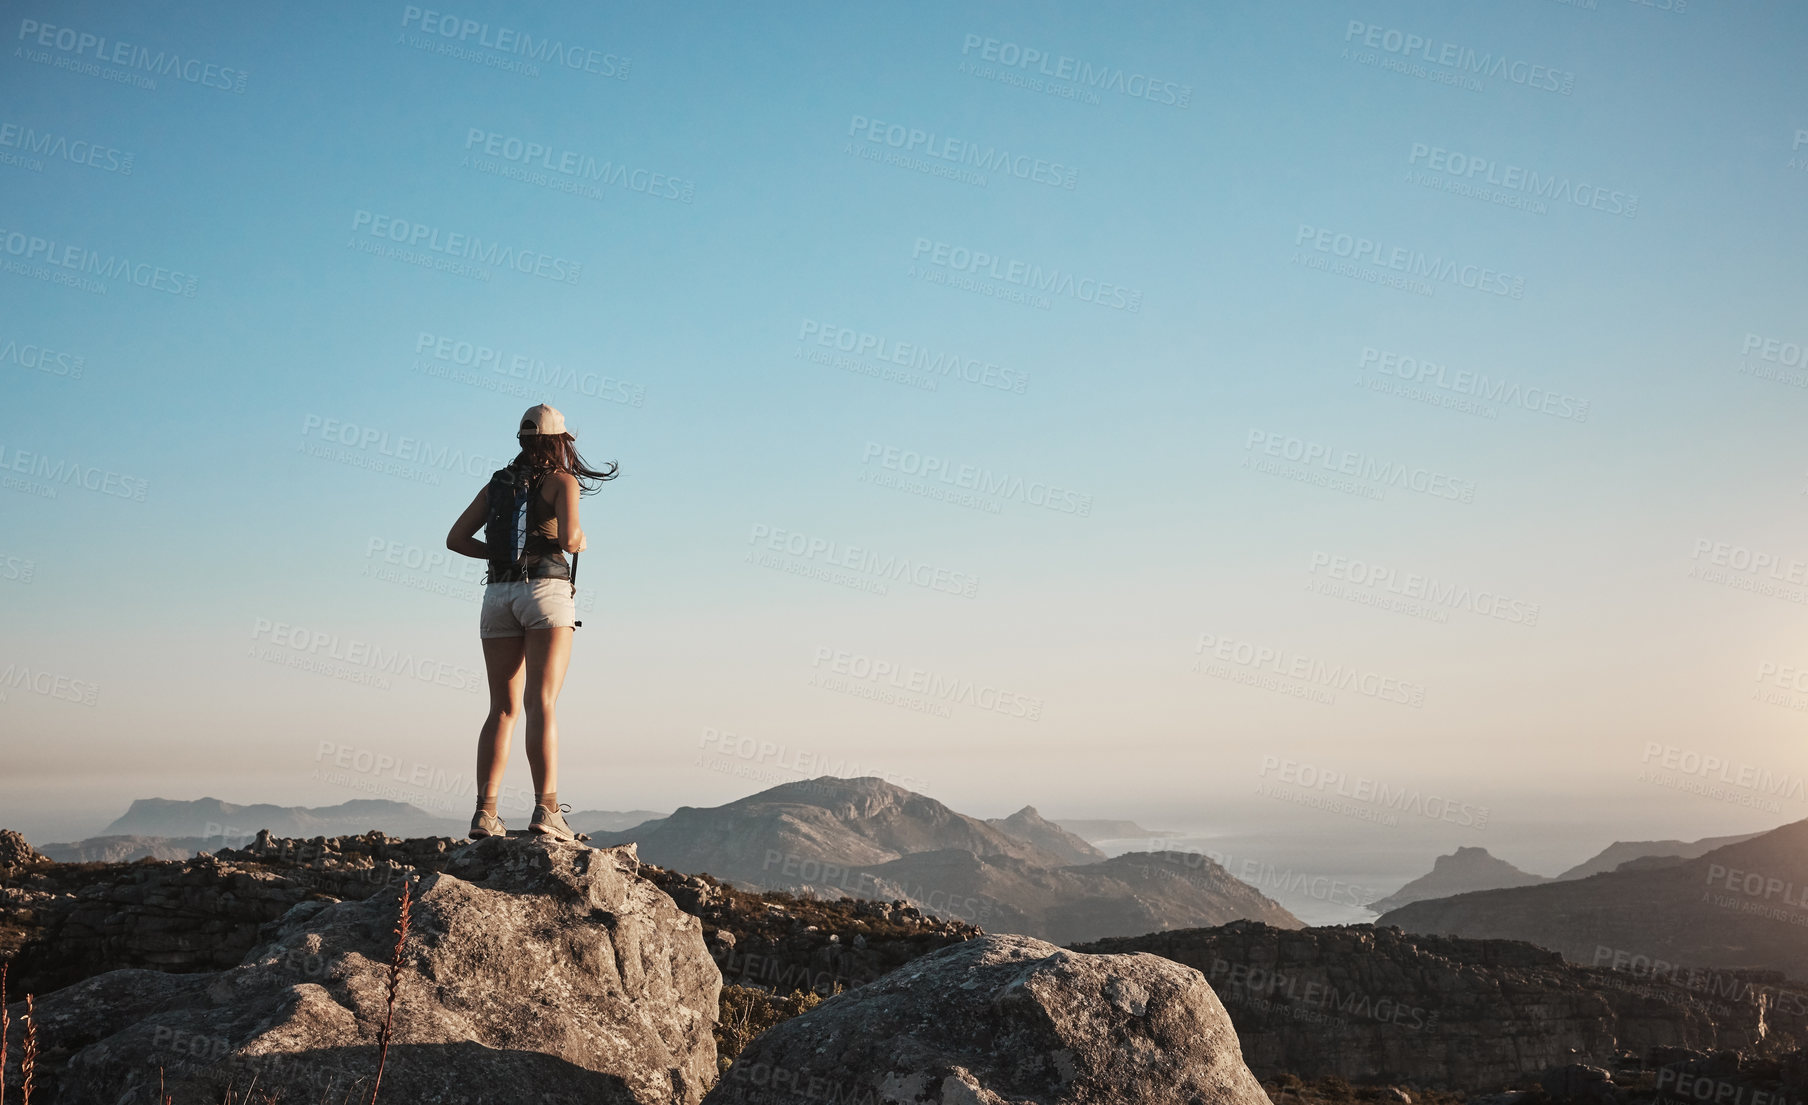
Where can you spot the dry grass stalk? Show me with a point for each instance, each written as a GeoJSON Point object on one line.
{"type": "Point", "coordinates": [395, 982]}
{"type": "Point", "coordinates": [28, 1056]}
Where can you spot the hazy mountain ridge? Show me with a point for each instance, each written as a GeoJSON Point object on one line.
{"type": "Point", "coordinates": [165, 828]}
{"type": "Point", "coordinates": [211, 817]}
{"type": "Point", "coordinates": [1626, 851]}
{"type": "Point", "coordinates": [1032, 828]}
{"type": "Point", "coordinates": [1742, 905]}
{"type": "Point", "coordinates": [1095, 829]}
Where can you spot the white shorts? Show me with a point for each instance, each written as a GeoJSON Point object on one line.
{"type": "Point", "coordinates": [511, 609]}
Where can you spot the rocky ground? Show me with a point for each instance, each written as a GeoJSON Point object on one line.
{"type": "Point", "coordinates": [154, 966]}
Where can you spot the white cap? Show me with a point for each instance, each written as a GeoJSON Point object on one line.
{"type": "Point", "coordinates": [542, 419]}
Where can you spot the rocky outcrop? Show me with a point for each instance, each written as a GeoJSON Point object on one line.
{"type": "Point", "coordinates": [1739, 906]}
{"type": "Point", "coordinates": [1377, 1004]}
{"type": "Point", "coordinates": [528, 963]}
{"type": "Point", "coordinates": [778, 942]}
{"type": "Point", "coordinates": [1004, 1019]}
{"type": "Point", "coordinates": [63, 923]}
{"type": "Point", "coordinates": [126, 849]}
{"type": "Point", "coordinates": [1460, 872]}
{"type": "Point", "coordinates": [16, 853]}
{"type": "Point", "coordinates": [1032, 828]}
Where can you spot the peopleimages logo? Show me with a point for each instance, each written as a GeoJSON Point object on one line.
{"type": "Point", "coordinates": [523, 45]}
{"type": "Point", "coordinates": [65, 473]}
{"type": "Point", "coordinates": [33, 249]}
{"type": "Point", "coordinates": [1412, 585]}
{"type": "Point", "coordinates": [79, 46]}
{"type": "Point", "coordinates": [452, 244]}
{"type": "Point", "coordinates": [533, 371]}
{"type": "Point", "coordinates": [529, 161]}
{"type": "Point", "coordinates": [42, 358]}
{"type": "Point", "coordinates": [1305, 669]}
{"type": "Point", "coordinates": [16, 677]}
{"type": "Point", "coordinates": [988, 158]}
{"type": "Point", "coordinates": [1309, 776]}
{"type": "Point", "coordinates": [402, 448]}
{"type": "Point", "coordinates": [1711, 766]}
{"type": "Point", "coordinates": [297, 647]}
{"type": "Point", "coordinates": [1361, 466]}
{"type": "Point", "coordinates": [1052, 281]}
{"type": "Point", "coordinates": [60, 147]}
{"type": "Point", "coordinates": [934, 687]}
{"type": "Point", "coordinates": [1789, 354]}
{"type": "Point", "coordinates": [878, 347]}
{"type": "Point", "coordinates": [1517, 179]}
{"type": "Point", "coordinates": [858, 558]}
{"type": "Point", "coordinates": [1464, 59]}
{"type": "Point", "coordinates": [1471, 384]}
{"type": "Point", "coordinates": [1106, 78]}
{"type": "Point", "coordinates": [969, 477]}
{"type": "Point", "coordinates": [1411, 262]}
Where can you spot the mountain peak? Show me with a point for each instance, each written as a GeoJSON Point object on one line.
{"type": "Point", "coordinates": [1467, 869]}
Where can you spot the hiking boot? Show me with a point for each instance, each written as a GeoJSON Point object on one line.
{"type": "Point", "coordinates": [487, 824]}
{"type": "Point", "coordinates": [550, 822]}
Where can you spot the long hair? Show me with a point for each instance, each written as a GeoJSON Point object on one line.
{"type": "Point", "coordinates": [560, 452]}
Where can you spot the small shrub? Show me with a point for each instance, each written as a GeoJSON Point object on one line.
{"type": "Point", "coordinates": [747, 1011]}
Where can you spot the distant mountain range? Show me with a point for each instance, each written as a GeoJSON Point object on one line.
{"type": "Point", "coordinates": [163, 828]}
{"type": "Point", "coordinates": [1621, 851]}
{"type": "Point", "coordinates": [1096, 830]}
{"type": "Point", "coordinates": [1743, 904]}
{"type": "Point", "coordinates": [866, 838]}
{"type": "Point", "coordinates": [1471, 869]}
{"type": "Point", "coordinates": [210, 817]}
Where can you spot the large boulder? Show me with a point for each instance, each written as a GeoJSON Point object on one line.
{"type": "Point", "coordinates": [534, 970]}
{"type": "Point", "coordinates": [999, 1020]}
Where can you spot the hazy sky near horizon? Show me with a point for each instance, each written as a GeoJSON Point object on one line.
{"type": "Point", "coordinates": [1376, 421]}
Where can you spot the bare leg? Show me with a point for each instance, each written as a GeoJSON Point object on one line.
{"type": "Point", "coordinates": [502, 662]}
{"type": "Point", "coordinates": [548, 654]}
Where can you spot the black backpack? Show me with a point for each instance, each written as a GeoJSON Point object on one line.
{"type": "Point", "coordinates": [506, 532]}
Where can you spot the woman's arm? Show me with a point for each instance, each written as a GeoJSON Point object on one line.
{"type": "Point", "coordinates": [463, 537]}
{"type": "Point", "coordinates": [565, 505]}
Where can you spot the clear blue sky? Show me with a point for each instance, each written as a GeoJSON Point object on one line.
{"type": "Point", "coordinates": [745, 212]}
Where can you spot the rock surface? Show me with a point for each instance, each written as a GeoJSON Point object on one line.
{"type": "Point", "coordinates": [529, 963]}
{"type": "Point", "coordinates": [62, 923]}
{"type": "Point", "coordinates": [1000, 1020]}
{"type": "Point", "coordinates": [1459, 872]}
{"type": "Point", "coordinates": [1376, 1004]}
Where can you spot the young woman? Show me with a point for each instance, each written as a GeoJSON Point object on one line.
{"type": "Point", "coordinates": [528, 614]}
